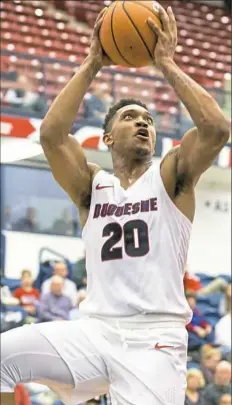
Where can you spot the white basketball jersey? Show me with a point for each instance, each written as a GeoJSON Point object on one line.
{"type": "Point", "coordinates": [136, 243]}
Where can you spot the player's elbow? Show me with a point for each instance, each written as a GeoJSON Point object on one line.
{"type": "Point", "coordinates": [218, 130]}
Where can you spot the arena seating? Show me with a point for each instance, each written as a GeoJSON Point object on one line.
{"type": "Point", "coordinates": [35, 28]}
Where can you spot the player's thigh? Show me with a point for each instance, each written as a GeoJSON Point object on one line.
{"type": "Point", "coordinates": [26, 356]}
{"type": "Point", "coordinates": [150, 377]}
{"type": "Point", "coordinates": [65, 363]}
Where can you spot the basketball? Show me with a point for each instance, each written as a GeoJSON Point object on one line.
{"type": "Point", "coordinates": [125, 36]}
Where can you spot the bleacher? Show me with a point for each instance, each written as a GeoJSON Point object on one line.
{"type": "Point", "coordinates": [35, 28]}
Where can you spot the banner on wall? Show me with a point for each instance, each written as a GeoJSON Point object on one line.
{"type": "Point", "coordinates": [89, 138]}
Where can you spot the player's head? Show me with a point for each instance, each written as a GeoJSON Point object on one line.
{"type": "Point", "coordinates": [129, 130]}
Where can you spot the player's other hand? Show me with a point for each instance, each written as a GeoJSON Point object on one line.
{"type": "Point", "coordinates": [167, 37]}
{"type": "Point", "coordinates": [96, 51]}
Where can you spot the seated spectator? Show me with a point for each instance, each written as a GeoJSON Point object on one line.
{"type": "Point", "coordinates": [195, 383]}
{"type": "Point", "coordinates": [54, 305]}
{"type": "Point", "coordinates": [27, 223]}
{"type": "Point", "coordinates": [75, 312]}
{"type": "Point", "coordinates": [21, 395]}
{"type": "Point", "coordinates": [225, 303]}
{"type": "Point", "coordinates": [225, 399]}
{"type": "Point", "coordinates": [6, 296]}
{"type": "Point", "coordinates": [193, 283]}
{"type": "Point", "coordinates": [221, 385]}
{"type": "Point", "coordinates": [7, 218]}
{"type": "Point", "coordinates": [223, 333]}
{"type": "Point", "coordinates": [210, 358]}
{"type": "Point", "coordinates": [23, 94]}
{"type": "Point", "coordinates": [199, 329]}
{"type": "Point", "coordinates": [96, 106]}
{"type": "Point", "coordinates": [79, 273]}
{"type": "Point", "coordinates": [63, 225]}
{"type": "Point", "coordinates": [27, 294]}
{"type": "Point", "coordinates": [70, 290]}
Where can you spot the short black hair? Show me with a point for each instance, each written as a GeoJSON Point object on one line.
{"type": "Point", "coordinates": [113, 110]}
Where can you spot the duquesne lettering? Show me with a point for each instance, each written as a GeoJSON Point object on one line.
{"type": "Point", "coordinates": [108, 210]}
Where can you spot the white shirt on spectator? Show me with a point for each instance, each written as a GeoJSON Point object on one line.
{"type": "Point", "coordinates": [70, 289]}
{"type": "Point", "coordinates": [223, 331]}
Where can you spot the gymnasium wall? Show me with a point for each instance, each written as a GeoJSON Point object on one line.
{"type": "Point", "coordinates": [209, 253]}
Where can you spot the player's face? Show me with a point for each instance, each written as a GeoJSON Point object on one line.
{"type": "Point", "coordinates": [132, 132]}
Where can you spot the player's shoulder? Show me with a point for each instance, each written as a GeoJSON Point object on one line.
{"type": "Point", "coordinates": [94, 169]}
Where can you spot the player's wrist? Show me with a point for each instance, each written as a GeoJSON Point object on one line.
{"type": "Point", "coordinates": [95, 63]}
{"type": "Point", "coordinates": [166, 62]}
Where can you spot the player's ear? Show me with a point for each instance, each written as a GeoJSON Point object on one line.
{"type": "Point", "coordinates": [108, 139]}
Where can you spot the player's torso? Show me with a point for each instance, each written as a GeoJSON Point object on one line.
{"type": "Point", "coordinates": [136, 244]}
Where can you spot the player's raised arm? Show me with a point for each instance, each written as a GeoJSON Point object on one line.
{"type": "Point", "coordinates": [65, 156]}
{"type": "Point", "coordinates": [200, 145]}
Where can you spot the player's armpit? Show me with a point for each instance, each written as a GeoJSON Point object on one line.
{"type": "Point", "coordinates": [70, 168]}
{"type": "Point", "coordinates": [197, 151]}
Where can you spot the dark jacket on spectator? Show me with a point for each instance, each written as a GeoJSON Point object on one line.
{"type": "Point", "coordinates": [212, 393]}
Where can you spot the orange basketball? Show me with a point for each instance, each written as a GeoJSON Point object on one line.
{"type": "Point", "coordinates": [125, 36]}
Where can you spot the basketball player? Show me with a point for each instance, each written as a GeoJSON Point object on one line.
{"type": "Point", "coordinates": [132, 339]}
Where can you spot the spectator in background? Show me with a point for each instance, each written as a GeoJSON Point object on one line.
{"type": "Point", "coordinates": [221, 385]}
{"type": "Point", "coordinates": [54, 305]}
{"type": "Point", "coordinates": [225, 303]}
{"type": "Point", "coordinates": [223, 333]}
{"type": "Point", "coordinates": [70, 290]}
{"type": "Point", "coordinates": [75, 313]}
{"type": "Point", "coordinates": [80, 274]}
{"type": "Point", "coordinates": [27, 223]}
{"type": "Point", "coordinates": [27, 294]}
{"type": "Point", "coordinates": [195, 383]}
{"type": "Point", "coordinates": [23, 95]}
{"type": "Point", "coordinates": [96, 106]}
{"type": "Point", "coordinates": [64, 224]}
{"type": "Point", "coordinates": [7, 218]}
{"type": "Point", "coordinates": [21, 395]}
{"type": "Point", "coordinates": [193, 283]}
{"type": "Point", "coordinates": [225, 399]}
{"type": "Point", "coordinates": [199, 330]}
{"type": "Point", "coordinates": [210, 358]}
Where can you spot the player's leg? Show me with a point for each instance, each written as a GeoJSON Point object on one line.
{"type": "Point", "coordinates": [145, 373]}
{"type": "Point", "coordinates": [28, 355]}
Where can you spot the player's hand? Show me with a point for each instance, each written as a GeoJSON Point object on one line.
{"type": "Point", "coordinates": [96, 51]}
{"type": "Point", "coordinates": [167, 37]}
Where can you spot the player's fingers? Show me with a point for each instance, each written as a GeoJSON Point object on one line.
{"type": "Point", "coordinates": [101, 14]}
{"type": "Point", "coordinates": [164, 18]}
{"type": "Point", "coordinates": [97, 26]}
{"type": "Point", "coordinates": [154, 27]}
{"type": "Point", "coordinates": [172, 19]}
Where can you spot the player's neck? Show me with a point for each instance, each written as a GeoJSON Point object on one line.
{"type": "Point", "coordinates": [128, 171]}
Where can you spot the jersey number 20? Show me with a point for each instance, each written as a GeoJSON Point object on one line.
{"type": "Point", "coordinates": [135, 235]}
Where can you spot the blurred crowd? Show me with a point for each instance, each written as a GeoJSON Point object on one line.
{"type": "Point", "coordinates": [66, 224]}
{"type": "Point", "coordinates": [59, 296]}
